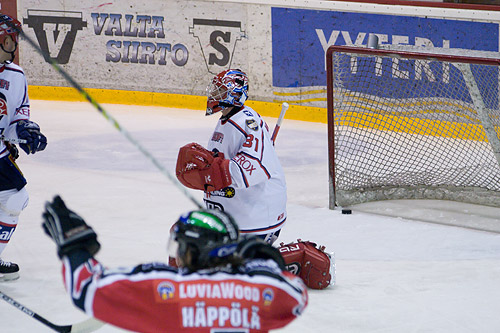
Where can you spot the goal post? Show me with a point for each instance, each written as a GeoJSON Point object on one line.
{"type": "Point", "coordinates": [412, 125]}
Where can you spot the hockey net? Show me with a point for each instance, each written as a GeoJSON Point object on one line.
{"type": "Point", "coordinates": [412, 125]}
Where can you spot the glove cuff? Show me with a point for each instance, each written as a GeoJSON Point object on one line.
{"type": "Point", "coordinates": [86, 243]}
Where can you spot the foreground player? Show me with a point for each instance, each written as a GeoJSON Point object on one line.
{"type": "Point", "coordinates": [240, 172]}
{"type": "Point", "coordinates": [14, 124]}
{"type": "Point", "coordinates": [223, 284]}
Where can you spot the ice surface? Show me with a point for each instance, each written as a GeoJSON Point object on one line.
{"type": "Point", "coordinates": [393, 274]}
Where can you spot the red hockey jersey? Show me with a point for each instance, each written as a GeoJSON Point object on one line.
{"type": "Point", "coordinates": [254, 297]}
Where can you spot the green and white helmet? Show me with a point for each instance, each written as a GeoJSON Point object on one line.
{"type": "Point", "coordinates": [210, 235]}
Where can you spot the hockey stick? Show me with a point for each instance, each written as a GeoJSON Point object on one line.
{"type": "Point", "coordinates": [88, 325]}
{"type": "Point", "coordinates": [108, 116]}
{"type": "Point", "coordinates": [284, 107]}
{"type": "Point", "coordinates": [3, 138]}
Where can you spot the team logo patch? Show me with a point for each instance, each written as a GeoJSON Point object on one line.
{"type": "Point", "coordinates": [166, 290]}
{"type": "Point", "coordinates": [226, 192]}
{"type": "Point", "coordinates": [218, 137]}
{"type": "Point", "coordinates": [268, 296]}
{"type": "Point", "coordinates": [252, 124]}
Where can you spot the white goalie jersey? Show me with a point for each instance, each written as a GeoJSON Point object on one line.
{"type": "Point", "coordinates": [257, 196]}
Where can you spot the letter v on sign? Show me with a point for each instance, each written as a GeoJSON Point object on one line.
{"type": "Point", "coordinates": [55, 37]}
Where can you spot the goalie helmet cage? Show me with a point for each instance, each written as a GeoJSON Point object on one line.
{"type": "Point", "coordinates": [412, 125]}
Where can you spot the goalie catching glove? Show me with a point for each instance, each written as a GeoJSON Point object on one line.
{"type": "Point", "coordinates": [68, 230]}
{"type": "Point", "coordinates": [199, 169]}
{"type": "Point", "coordinates": [310, 262]}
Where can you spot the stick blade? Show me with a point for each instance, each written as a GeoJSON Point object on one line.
{"type": "Point", "coordinates": [87, 326]}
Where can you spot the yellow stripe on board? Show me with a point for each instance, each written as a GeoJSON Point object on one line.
{"type": "Point", "coordinates": [408, 125]}
{"type": "Point", "coordinates": [302, 101]}
{"type": "Point", "coordinates": [118, 97]}
{"type": "Point", "coordinates": [306, 92]}
{"type": "Point", "coordinates": [266, 109]}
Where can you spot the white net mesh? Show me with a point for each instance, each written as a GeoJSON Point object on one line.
{"type": "Point", "coordinates": [415, 128]}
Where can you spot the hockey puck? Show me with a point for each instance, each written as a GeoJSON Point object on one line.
{"type": "Point", "coordinates": [346, 211]}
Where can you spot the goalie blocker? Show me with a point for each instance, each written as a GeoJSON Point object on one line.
{"type": "Point", "coordinates": [310, 262]}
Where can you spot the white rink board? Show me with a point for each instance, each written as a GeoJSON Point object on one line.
{"type": "Point", "coordinates": [112, 46]}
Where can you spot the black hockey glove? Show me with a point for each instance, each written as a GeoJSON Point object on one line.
{"type": "Point", "coordinates": [68, 230]}
{"type": "Point", "coordinates": [30, 131]}
{"type": "Point", "coordinates": [257, 248]}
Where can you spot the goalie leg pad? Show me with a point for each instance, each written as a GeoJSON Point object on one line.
{"type": "Point", "coordinates": [311, 263]}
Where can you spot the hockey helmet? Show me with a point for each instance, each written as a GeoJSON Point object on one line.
{"type": "Point", "coordinates": [210, 235]}
{"type": "Point", "coordinates": [227, 89]}
{"type": "Point", "coordinates": [9, 27]}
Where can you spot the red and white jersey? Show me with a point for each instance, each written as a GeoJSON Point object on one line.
{"type": "Point", "coordinates": [255, 297]}
{"type": "Point", "coordinates": [257, 196]}
{"type": "Point", "coordinates": [14, 102]}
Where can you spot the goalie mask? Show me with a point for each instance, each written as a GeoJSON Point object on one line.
{"type": "Point", "coordinates": [227, 89]}
{"type": "Point", "coordinates": [9, 27]}
{"type": "Point", "coordinates": [203, 238]}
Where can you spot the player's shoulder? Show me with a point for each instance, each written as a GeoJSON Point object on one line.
{"type": "Point", "coordinates": [247, 118]}
{"type": "Point", "coordinates": [249, 112]}
{"type": "Point", "coordinates": [13, 68]}
{"type": "Point", "coordinates": [256, 266]}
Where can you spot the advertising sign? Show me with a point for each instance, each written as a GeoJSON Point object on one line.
{"type": "Point", "coordinates": [299, 62]}
{"type": "Point", "coordinates": [153, 47]}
